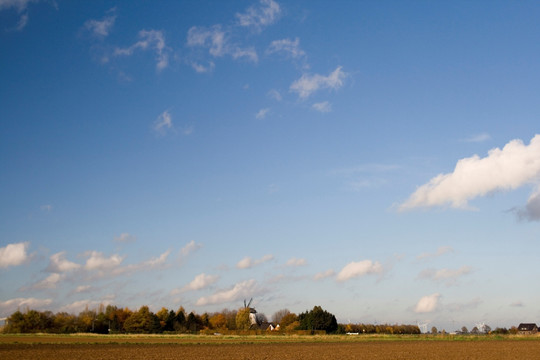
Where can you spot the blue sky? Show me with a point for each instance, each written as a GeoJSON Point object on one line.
{"type": "Point", "coordinates": [380, 159]}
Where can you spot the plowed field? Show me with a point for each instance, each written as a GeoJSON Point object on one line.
{"type": "Point", "coordinates": [410, 350]}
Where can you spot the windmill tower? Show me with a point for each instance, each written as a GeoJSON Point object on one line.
{"type": "Point", "coordinates": [481, 327]}
{"type": "Point", "coordinates": [422, 327]}
{"type": "Point", "coordinates": [252, 313]}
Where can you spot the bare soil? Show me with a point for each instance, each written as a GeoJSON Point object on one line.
{"type": "Point", "coordinates": [395, 350]}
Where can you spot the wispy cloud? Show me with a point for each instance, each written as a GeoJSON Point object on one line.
{"type": "Point", "coordinates": [294, 262]}
{"type": "Point", "coordinates": [21, 6]}
{"type": "Point", "coordinates": [274, 94]}
{"type": "Point", "coordinates": [324, 274]}
{"type": "Point", "coordinates": [288, 47]}
{"type": "Point", "coordinates": [190, 248]}
{"type": "Point", "coordinates": [13, 254]}
{"type": "Point", "coordinates": [440, 251]}
{"type": "Point", "coordinates": [428, 303]}
{"type": "Point", "coordinates": [260, 16]}
{"type": "Point", "coordinates": [478, 138]}
{"type": "Point", "coordinates": [125, 238]}
{"type": "Point", "coordinates": [201, 281]}
{"type": "Point", "coordinates": [358, 269]}
{"type": "Point", "coordinates": [308, 84]}
{"type": "Point", "coordinates": [511, 167]}
{"type": "Point", "coordinates": [239, 291]}
{"type": "Point", "coordinates": [49, 282]}
{"type": "Point", "coordinates": [248, 262]}
{"type": "Point", "coordinates": [101, 28]}
{"type": "Point", "coordinates": [163, 123]}
{"type": "Point", "coordinates": [218, 43]}
{"type": "Point", "coordinates": [262, 113]}
{"type": "Point", "coordinates": [200, 68]}
{"type": "Point", "coordinates": [446, 276]}
{"type": "Point", "coordinates": [149, 40]}
{"type": "Point", "coordinates": [323, 107]}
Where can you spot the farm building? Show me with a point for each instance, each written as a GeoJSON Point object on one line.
{"type": "Point", "coordinates": [527, 329]}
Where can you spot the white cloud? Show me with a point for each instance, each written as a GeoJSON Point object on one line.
{"type": "Point", "coordinates": [163, 122]}
{"type": "Point", "coordinates": [239, 291]}
{"type": "Point", "coordinates": [96, 261]}
{"type": "Point", "coordinates": [448, 276]}
{"type": "Point", "coordinates": [324, 274]}
{"type": "Point", "coordinates": [59, 264]}
{"type": "Point", "coordinates": [440, 251]}
{"type": "Point", "coordinates": [428, 303]}
{"type": "Point", "coordinates": [289, 47]}
{"type": "Point", "coordinates": [125, 238]}
{"type": "Point", "coordinates": [360, 268]}
{"type": "Point", "coordinates": [101, 28]}
{"type": "Point", "coordinates": [8, 307]}
{"type": "Point", "coordinates": [216, 40]}
{"type": "Point", "coordinates": [323, 107]}
{"type": "Point", "coordinates": [260, 16]}
{"type": "Point", "coordinates": [49, 282]}
{"type": "Point", "coordinates": [513, 166]}
{"type": "Point", "coordinates": [248, 53]}
{"type": "Point", "coordinates": [200, 68]}
{"type": "Point", "coordinates": [248, 262]}
{"type": "Point", "coordinates": [308, 84]}
{"type": "Point", "coordinates": [13, 254]}
{"type": "Point", "coordinates": [150, 39]}
{"type": "Point", "coordinates": [296, 262]}
{"type": "Point", "coordinates": [262, 113]}
{"type": "Point", "coordinates": [190, 247]}
{"type": "Point", "coordinates": [201, 281]}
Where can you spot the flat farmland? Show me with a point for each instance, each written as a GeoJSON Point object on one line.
{"type": "Point", "coordinates": [208, 347]}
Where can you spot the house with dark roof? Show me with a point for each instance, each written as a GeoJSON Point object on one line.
{"type": "Point", "coordinates": [527, 329]}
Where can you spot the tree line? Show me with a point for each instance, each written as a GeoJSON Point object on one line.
{"type": "Point", "coordinates": [111, 319]}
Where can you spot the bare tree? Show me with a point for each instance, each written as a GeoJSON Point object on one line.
{"type": "Point", "coordinates": [279, 315]}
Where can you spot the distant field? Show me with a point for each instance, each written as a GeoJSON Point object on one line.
{"type": "Point", "coordinates": [79, 347]}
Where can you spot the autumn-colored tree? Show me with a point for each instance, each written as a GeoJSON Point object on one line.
{"type": "Point", "coordinates": [287, 320]}
{"type": "Point", "coordinates": [242, 319]}
{"type": "Point", "coordinates": [218, 321]}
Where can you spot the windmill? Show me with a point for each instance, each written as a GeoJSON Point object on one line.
{"type": "Point", "coordinates": [252, 312]}
{"type": "Point", "coordinates": [481, 327]}
{"type": "Point", "coordinates": [422, 327]}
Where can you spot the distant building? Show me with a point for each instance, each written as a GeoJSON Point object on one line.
{"type": "Point", "coordinates": [527, 329]}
